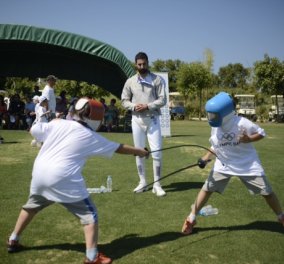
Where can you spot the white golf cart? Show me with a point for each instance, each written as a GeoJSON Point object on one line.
{"type": "Point", "coordinates": [176, 105]}
{"type": "Point", "coordinates": [274, 113]}
{"type": "Point", "coordinates": [245, 106]}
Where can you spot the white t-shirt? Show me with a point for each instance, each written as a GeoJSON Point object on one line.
{"type": "Point", "coordinates": [40, 114]}
{"type": "Point", "coordinates": [236, 158]}
{"type": "Point", "coordinates": [48, 92]}
{"type": "Point", "coordinates": [57, 171]}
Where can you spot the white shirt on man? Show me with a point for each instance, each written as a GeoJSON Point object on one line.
{"type": "Point", "coordinates": [48, 92]}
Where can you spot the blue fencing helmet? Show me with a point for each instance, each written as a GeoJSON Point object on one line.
{"type": "Point", "coordinates": [218, 107]}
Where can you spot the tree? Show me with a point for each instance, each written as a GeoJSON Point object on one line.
{"type": "Point", "coordinates": [21, 86]}
{"type": "Point", "coordinates": [208, 59]}
{"type": "Point", "coordinates": [193, 78]}
{"type": "Point", "coordinates": [24, 86]}
{"type": "Point", "coordinates": [79, 89]}
{"type": "Point", "coordinates": [233, 75]}
{"type": "Point", "coordinates": [208, 63]}
{"type": "Point", "coordinates": [269, 76]}
{"type": "Point", "coordinates": [170, 66]}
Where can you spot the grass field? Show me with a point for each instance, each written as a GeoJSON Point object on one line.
{"type": "Point", "coordinates": [144, 228]}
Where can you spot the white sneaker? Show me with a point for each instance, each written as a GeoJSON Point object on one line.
{"type": "Point", "coordinates": [158, 191]}
{"type": "Point", "coordinates": [33, 143]}
{"type": "Point", "coordinates": [141, 188]}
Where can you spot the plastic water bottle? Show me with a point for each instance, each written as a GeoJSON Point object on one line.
{"type": "Point", "coordinates": [94, 190]}
{"type": "Point", "coordinates": [102, 189]}
{"type": "Point", "coordinates": [109, 183]}
{"type": "Point", "coordinates": [208, 210]}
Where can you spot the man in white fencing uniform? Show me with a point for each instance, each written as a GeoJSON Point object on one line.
{"type": "Point", "coordinates": [49, 93]}
{"type": "Point", "coordinates": [144, 94]}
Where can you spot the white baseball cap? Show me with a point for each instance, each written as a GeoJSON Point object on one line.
{"type": "Point", "coordinates": [42, 98]}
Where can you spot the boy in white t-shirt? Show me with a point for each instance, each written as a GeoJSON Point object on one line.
{"type": "Point", "coordinates": [231, 138]}
{"type": "Point", "coordinates": [42, 111]}
{"type": "Point", "coordinates": [41, 115]}
{"type": "Point", "coordinates": [57, 172]}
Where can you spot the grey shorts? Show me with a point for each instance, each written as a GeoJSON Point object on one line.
{"type": "Point", "coordinates": [217, 182]}
{"type": "Point", "coordinates": [85, 209]}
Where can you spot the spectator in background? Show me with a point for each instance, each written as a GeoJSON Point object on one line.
{"type": "Point", "coordinates": [48, 92]}
{"type": "Point", "coordinates": [71, 110]}
{"type": "Point", "coordinates": [64, 100]}
{"type": "Point", "coordinates": [111, 116]}
{"type": "Point", "coordinates": [36, 99]}
{"type": "Point", "coordinates": [103, 126]}
{"type": "Point", "coordinates": [4, 116]}
{"type": "Point", "coordinates": [103, 101]}
{"type": "Point", "coordinates": [61, 108]}
{"type": "Point", "coordinates": [36, 102]}
{"type": "Point", "coordinates": [42, 111]}
{"type": "Point", "coordinates": [29, 112]}
{"type": "Point", "coordinates": [42, 116]}
{"type": "Point", "coordinates": [36, 91]}
{"type": "Point", "coordinates": [7, 101]}
{"type": "Point", "coordinates": [17, 112]}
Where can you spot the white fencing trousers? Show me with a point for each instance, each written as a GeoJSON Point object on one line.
{"type": "Point", "coordinates": [149, 127]}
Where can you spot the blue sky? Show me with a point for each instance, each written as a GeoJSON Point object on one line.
{"type": "Point", "coordinates": [237, 31]}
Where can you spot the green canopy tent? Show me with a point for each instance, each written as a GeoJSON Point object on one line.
{"type": "Point", "coordinates": [27, 51]}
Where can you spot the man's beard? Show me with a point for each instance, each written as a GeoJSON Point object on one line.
{"type": "Point", "coordinates": [142, 71]}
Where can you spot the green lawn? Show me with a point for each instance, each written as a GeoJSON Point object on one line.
{"type": "Point", "coordinates": [144, 228]}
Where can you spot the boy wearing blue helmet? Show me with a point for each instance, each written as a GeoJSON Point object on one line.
{"type": "Point", "coordinates": [231, 138]}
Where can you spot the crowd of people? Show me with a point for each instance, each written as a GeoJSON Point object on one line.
{"type": "Point", "coordinates": [19, 113]}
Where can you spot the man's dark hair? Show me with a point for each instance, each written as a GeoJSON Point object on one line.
{"type": "Point", "coordinates": [141, 56]}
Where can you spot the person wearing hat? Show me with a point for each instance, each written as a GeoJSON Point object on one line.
{"type": "Point", "coordinates": [42, 115]}
{"type": "Point", "coordinates": [57, 172]}
{"type": "Point", "coordinates": [48, 92]}
{"type": "Point", "coordinates": [42, 112]}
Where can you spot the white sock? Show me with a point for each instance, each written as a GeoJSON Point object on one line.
{"type": "Point", "coordinates": [14, 237]}
{"type": "Point", "coordinates": [280, 216]}
{"type": "Point", "coordinates": [140, 163]}
{"type": "Point", "coordinates": [191, 218]}
{"type": "Point", "coordinates": [91, 253]}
